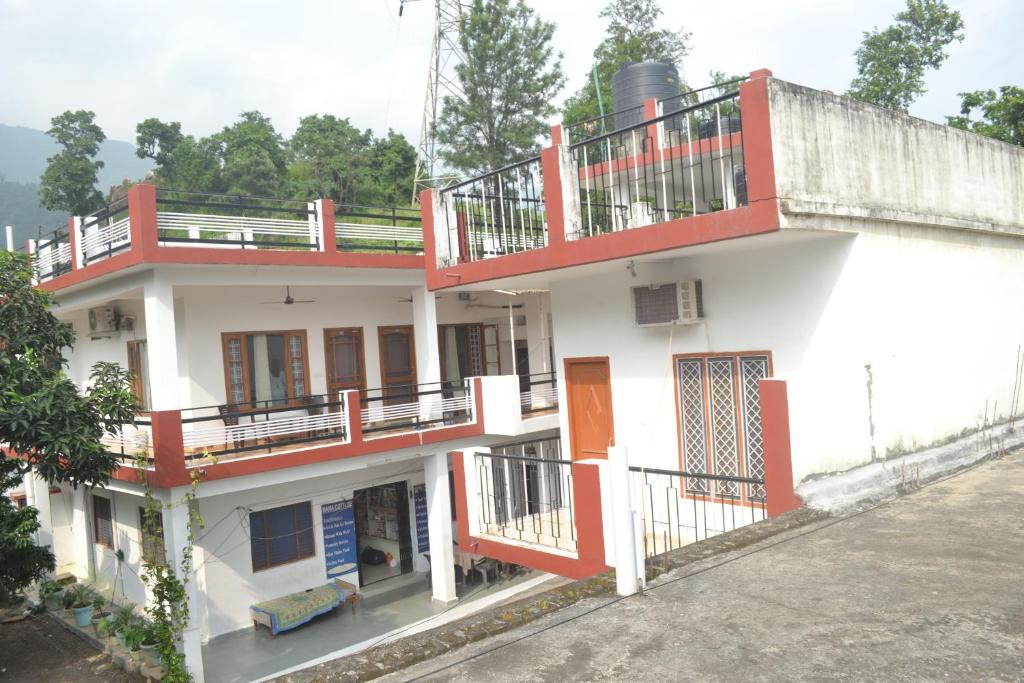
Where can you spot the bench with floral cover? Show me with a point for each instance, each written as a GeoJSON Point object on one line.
{"type": "Point", "coordinates": [290, 611]}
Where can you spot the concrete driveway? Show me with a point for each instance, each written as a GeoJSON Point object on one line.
{"type": "Point", "coordinates": [926, 587]}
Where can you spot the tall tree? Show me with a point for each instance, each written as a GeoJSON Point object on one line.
{"type": "Point", "coordinates": [509, 77]}
{"type": "Point", "coordinates": [331, 158]}
{"type": "Point", "coordinates": [43, 415]}
{"type": "Point", "coordinates": [69, 181]}
{"type": "Point", "coordinates": [156, 140]}
{"type": "Point", "coordinates": [632, 35]}
{"type": "Point", "coordinates": [392, 169]}
{"type": "Point", "coordinates": [252, 154]}
{"type": "Point", "coordinates": [891, 62]}
{"type": "Point", "coordinates": [1002, 114]}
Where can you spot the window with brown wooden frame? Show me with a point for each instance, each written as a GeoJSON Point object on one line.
{"type": "Point", "coordinates": [102, 521]}
{"type": "Point", "coordinates": [264, 369]}
{"type": "Point", "coordinates": [138, 366]}
{"type": "Point", "coordinates": [281, 535]}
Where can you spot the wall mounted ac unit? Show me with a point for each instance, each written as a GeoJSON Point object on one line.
{"type": "Point", "coordinates": [102, 320]}
{"type": "Point", "coordinates": [673, 303]}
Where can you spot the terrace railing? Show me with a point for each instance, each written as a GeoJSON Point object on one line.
{"type": "Point", "coordinates": [542, 394]}
{"type": "Point", "coordinates": [236, 222]}
{"type": "Point", "coordinates": [133, 439]}
{"type": "Point", "coordinates": [525, 498]}
{"type": "Point", "coordinates": [378, 229]}
{"type": "Point", "coordinates": [581, 131]}
{"type": "Point", "coordinates": [414, 407]}
{"type": "Point", "coordinates": [52, 254]}
{"type": "Point", "coordinates": [678, 508]}
{"type": "Point", "coordinates": [685, 162]}
{"type": "Point", "coordinates": [105, 232]}
{"type": "Point", "coordinates": [263, 425]}
{"type": "Point", "coordinates": [499, 213]}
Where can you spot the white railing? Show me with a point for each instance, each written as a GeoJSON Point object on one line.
{"type": "Point", "coordinates": [539, 398]}
{"type": "Point", "coordinates": [52, 258]}
{"type": "Point", "coordinates": [394, 233]}
{"type": "Point", "coordinates": [243, 230]}
{"type": "Point", "coordinates": [425, 406]}
{"type": "Point", "coordinates": [427, 410]}
{"type": "Point", "coordinates": [236, 437]}
{"type": "Point", "coordinates": [99, 241]}
{"type": "Point", "coordinates": [131, 440]}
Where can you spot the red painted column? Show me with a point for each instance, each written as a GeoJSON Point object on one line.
{"type": "Point", "coordinates": [434, 278]}
{"type": "Point", "coordinates": [757, 137]}
{"type": "Point", "coordinates": [554, 207]}
{"type": "Point", "coordinates": [557, 135]}
{"type": "Point", "coordinates": [778, 460]}
{"type": "Point", "coordinates": [353, 406]}
{"type": "Point", "coordinates": [461, 504]}
{"type": "Point", "coordinates": [330, 241]}
{"type": "Point", "coordinates": [168, 449]}
{"type": "Point", "coordinates": [586, 496]}
{"type": "Point", "coordinates": [142, 214]}
{"type": "Point", "coordinates": [73, 238]}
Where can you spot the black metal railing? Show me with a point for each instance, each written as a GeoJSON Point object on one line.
{"type": "Point", "coordinates": [698, 96]}
{"type": "Point", "coordinates": [53, 254]}
{"type": "Point", "coordinates": [538, 392]}
{"type": "Point", "coordinates": [634, 177]}
{"type": "Point", "coordinates": [230, 428]}
{"type": "Point", "coordinates": [581, 131]}
{"type": "Point", "coordinates": [501, 212]}
{"type": "Point", "coordinates": [105, 232]}
{"type": "Point", "coordinates": [679, 508]}
{"type": "Point", "coordinates": [236, 221]}
{"type": "Point", "coordinates": [525, 497]}
{"type": "Point", "coordinates": [415, 407]}
{"type": "Point", "coordinates": [378, 229]}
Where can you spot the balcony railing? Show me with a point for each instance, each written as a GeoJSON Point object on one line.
{"type": "Point", "coordinates": [682, 163]}
{"type": "Point", "coordinates": [495, 214]}
{"type": "Point", "coordinates": [542, 394]}
{"type": "Point", "coordinates": [378, 229]}
{"type": "Point", "coordinates": [526, 498]}
{"type": "Point", "coordinates": [132, 440]}
{"type": "Point", "coordinates": [53, 254]}
{"type": "Point", "coordinates": [581, 131]}
{"type": "Point", "coordinates": [415, 407]}
{"type": "Point", "coordinates": [235, 222]}
{"type": "Point", "coordinates": [105, 232]}
{"type": "Point", "coordinates": [266, 426]}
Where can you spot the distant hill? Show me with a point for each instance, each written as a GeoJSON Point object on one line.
{"type": "Point", "coordinates": [23, 155]}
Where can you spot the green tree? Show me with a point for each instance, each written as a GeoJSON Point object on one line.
{"type": "Point", "coordinates": [44, 416]}
{"type": "Point", "coordinates": [509, 77]}
{"type": "Point", "coordinates": [156, 140]}
{"type": "Point", "coordinates": [1002, 114]}
{"type": "Point", "coordinates": [194, 165]}
{"type": "Point", "coordinates": [891, 62]}
{"type": "Point", "coordinates": [331, 158]}
{"type": "Point", "coordinates": [69, 181]}
{"type": "Point", "coordinates": [632, 35]}
{"type": "Point", "coordinates": [392, 169]}
{"type": "Point", "coordinates": [252, 154]}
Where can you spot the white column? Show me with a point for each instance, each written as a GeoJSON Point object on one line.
{"type": "Point", "coordinates": [622, 521]}
{"type": "Point", "coordinates": [32, 252]}
{"type": "Point", "coordinates": [315, 223]}
{"type": "Point", "coordinates": [537, 308]}
{"type": "Point", "coordinates": [81, 533]}
{"type": "Point", "coordinates": [162, 346]}
{"type": "Point", "coordinates": [176, 539]}
{"type": "Point", "coordinates": [439, 524]}
{"type": "Point", "coordinates": [37, 491]}
{"type": "Point", "coordinates": [77, 257]}
{"type": "Point", "coordinates": [9, 234]}
{"type": "Point", "coordinates": [428, 359]}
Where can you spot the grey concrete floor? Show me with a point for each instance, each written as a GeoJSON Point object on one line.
{"type": "Point", "coordinates": [929, 586]}
{"type": "Point", "coordinates": [248, 654]}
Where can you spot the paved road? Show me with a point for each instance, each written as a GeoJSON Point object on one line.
{"type": "Point", "coordinates": [926, 587]}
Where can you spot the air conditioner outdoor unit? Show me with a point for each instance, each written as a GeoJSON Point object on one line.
{"type": "Point", "coordinates": [673, 303]}
{"type": "Point", "coordinates": [102, 320]}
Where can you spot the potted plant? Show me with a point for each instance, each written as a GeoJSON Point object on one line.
{"type": "Point", "coordinates": [149, 639]}
{"type": "Point", "coordinates": [120, 620]}
{"type": "Point", "coordinates": [81, 599]}
{"type": "Point", "coordinates": [99, 614]}
{"type": "Point", "coordinates": [134, 634]}
{"type": "Point", "coordinates": [50, 593]}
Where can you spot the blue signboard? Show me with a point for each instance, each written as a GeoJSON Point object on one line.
{"type": "Point", "coordinates": [340, 552]}
{"type": "Point", "coordinates": [419, 499]}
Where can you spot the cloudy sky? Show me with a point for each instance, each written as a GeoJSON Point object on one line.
{"type": "Point", "coordinates": [202, 62]}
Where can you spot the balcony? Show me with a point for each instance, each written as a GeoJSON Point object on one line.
{"type": "Point", "coordinates": [681, 168]}
{"type": "Point", "coordinates": [159, 225]}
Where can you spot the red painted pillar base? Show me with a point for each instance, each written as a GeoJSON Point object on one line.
{"type": "Point", "coordinates": [778, 460]}
{"type": "Point", "coordinates": [168, 449]}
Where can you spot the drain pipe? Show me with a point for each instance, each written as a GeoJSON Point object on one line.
{"type": "Point", "coordinates": [627, 579]}
{"type": "Point", "coordinates": [512, 338]}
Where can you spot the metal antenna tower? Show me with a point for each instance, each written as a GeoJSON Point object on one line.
{"type": "Point", "coordinates": [445, 53]}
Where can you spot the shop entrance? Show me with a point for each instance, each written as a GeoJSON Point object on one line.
{"type": "Point", "coordinates": [383, 534]}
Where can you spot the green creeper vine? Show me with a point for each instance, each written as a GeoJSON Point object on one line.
{"type": "Point", "coordinates": [168, 611]}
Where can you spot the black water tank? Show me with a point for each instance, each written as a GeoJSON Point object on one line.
{"type": "Point", "coordinates": [638, 81]}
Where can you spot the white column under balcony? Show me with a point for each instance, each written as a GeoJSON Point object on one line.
{"type": "Point", "coordinates": [439, 525]}
{"type": "Point", "coordinates": [81, 533]}
{"type": "Point", "coordinates": [428, 359]}
{"type": "Point", "coordinates": [162, 346]}
{"type": "Point", "coordinates": [37, 493]}
{"type": "Point", "coordinates": [176, 540]}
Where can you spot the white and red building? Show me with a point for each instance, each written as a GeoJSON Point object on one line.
{"type": "Point", "coordinates": [757, 286]}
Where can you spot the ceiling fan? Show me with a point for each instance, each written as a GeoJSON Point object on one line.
{"type": "Point", "coordinates": [289, 299]}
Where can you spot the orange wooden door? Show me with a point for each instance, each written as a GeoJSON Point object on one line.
{"type": "Point", "coordinates": [346, 367]}
{"type": "Point", "coordinates": [397, 363]}
{"type": "Point", "coordinates": [589, 393]}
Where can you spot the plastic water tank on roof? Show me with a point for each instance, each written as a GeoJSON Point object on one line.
{"type": "Point", "coordinates": [638, 81]}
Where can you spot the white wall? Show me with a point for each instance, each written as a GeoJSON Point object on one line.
{"type": "Point", "coordinates": [230, 583]}
{"type": "Point", "coordinates": [112, 348]}
{"type": "Point", "coordinates": [932, 311]}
